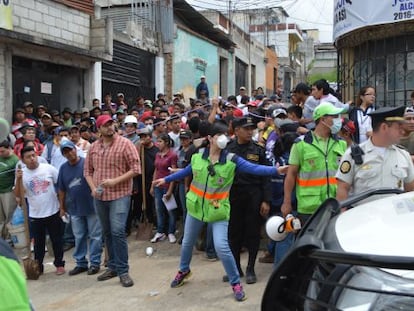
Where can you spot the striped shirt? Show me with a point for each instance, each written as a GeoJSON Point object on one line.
{"type": "Point", "coordinates": [110, 162]}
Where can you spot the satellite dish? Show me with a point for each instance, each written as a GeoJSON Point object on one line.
{"type": "Point", "coordinates": [4, 129]}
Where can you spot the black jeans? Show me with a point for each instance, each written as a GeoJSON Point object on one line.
{"type": "Point", "coordinates": [54, 226]}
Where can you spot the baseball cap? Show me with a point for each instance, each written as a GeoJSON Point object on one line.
{"type": "Point", "coordinates": [326, 109]}
{"type": "Point", "coordinates": [67, 144]}
{"type": "Point", "coordinates": [202, 77]}
{"type": "Point", "coordinates": [19, 110]}
{"type": "Point", "coordinates": [120, 95]}
{"type": "Point", "coordinates": [46, 115]}
{"type": "Point", "coordinates": [103, 119]}
{"type": "Point", "coordinates": [84, 110]}
{"type": "Point", "coordinates": [27, 104]}
{"type": "Point", "coordinates": [349, 126]}
{"type": "Point", "coordinates": [218, 127]}
{"type": "Point", "coordinates": [186, 134]}
{"type": "Point", "coordinates": [144, 131]}
{"type": "Point", "coordinates": [242, 88]}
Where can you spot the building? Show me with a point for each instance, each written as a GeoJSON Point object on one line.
{"type": "Point", "coordinates": [255, 65]}
{"type": "Point", "coordinates": [49, 52]}
{"type": "Point", "coordinates": [269, 26]}
{"type": "Point", "coordinates": [377, 49]}
{"type": "Point", "coordinates": [324, 63]}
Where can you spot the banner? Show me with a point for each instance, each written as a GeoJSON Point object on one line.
{"type": "Point", "coordinates": [353, 14]}
{"type": "Point", "coordinates": [6, 14]}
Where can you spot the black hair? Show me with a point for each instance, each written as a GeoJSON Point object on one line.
{"type": "Point", "coordinates": [167, 139]}
{"type": "Point", "coordinates": [284, 143]}
{"type": "Point", "coordinates": [296, 110]}
{"type": "Point", "coordinates": [194, 124]}
{"type": "Point", "coordinates": [244, 100]}
{"type": "Point", "coordinates": [5, 143]}
{"type": "Point", "coordinates": [322, 84]}
{"type": "Point", "coordinates": [26, 150]}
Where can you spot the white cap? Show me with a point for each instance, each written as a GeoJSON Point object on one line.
{"type": "Point", "coordinates": [130, 119]}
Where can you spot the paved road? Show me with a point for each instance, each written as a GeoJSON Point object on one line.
{"type": "Point", "coordinates": [152, 276]}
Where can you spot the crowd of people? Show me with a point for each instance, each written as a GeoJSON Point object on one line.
{"type": "Point", "coordinates": [230, 163]}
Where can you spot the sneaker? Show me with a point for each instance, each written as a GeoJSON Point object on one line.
{"type": "Point", "coordinates": [171, 238]}
{"type": "Point", "coordinates": [158, 237]}
{"type": "Point", "coordinates": [179, 278]}
{"type": "Point", "coordinates": [238, 292]}
{"type": "Point", "coordinates": [60, 270]}
{"type": "Point", "coordinates": [211, 258]}
{"type": "Point", "coordinates": [77, 270]}
{"type": "Point", "coordinates": [108, 274]}
{"type": "Point", "coordinates": [93, 270]}
{"type": "Point", "coordinates": [125, 280]}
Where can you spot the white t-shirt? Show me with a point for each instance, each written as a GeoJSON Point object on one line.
{"type": "Point", "coordinates": [364, 124]}
{"type": "Point", "coordinates": [39, 185]}
{"type": "Point", "coordinates": [176, 139]}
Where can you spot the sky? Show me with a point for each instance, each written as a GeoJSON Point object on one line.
{"type": "Point", "coordinates": [306, 13]}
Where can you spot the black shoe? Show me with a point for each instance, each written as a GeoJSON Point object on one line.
{"type": "Point", "coordinates": [93, 270]}
{"type": "Point", "coordinates": [77, 270]}
{"type": "Point", "coordinates": [250, 276]}
{"type": "Point", "coordinates": [108, 274]}
{"type": "Point", "coordinates": [126, 281]}
{"type": "Point", "coordinates": [226, 277]}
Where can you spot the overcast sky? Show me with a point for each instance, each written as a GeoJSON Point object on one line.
{"type": "Point", "coordinates": [306, 13]}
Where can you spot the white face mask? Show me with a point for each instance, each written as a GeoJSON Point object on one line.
{"type": "Point", "coordinates": [222, 141]}
{"type": "Point", "coordinates": [336, 125]}
{"type": "Point", "coordinates": [150, 127]}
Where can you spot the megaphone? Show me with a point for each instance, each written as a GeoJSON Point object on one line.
{"type": "Point", "coordinates": [277, 228]}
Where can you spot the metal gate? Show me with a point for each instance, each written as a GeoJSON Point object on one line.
{"type": "Point", "coordinates": [131, 72]}
{"type": "Point", "coordinates": [241, 75]}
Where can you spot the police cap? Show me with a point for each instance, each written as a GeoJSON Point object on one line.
{"type": "Point", "coordinates": [388, 114]}
{"type": "Point", "coordinates": [243, 122]}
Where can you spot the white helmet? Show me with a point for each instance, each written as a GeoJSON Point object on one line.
{"type": "Point", "coordinates": [130, 119]}
{"type": "Point", "coordinates": [275, 228]}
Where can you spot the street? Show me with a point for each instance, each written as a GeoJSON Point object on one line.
{"type": "Point", "coordinates": [152, 276]}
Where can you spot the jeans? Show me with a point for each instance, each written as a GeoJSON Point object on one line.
{"type": "Point", "coordinates": [7, 207]}
{"type": "Point", "coordinates": [54, 225]}
{"type": "Point", "coordinates": [113, 216]}
{"type": "Point", "coordinates": [85, 227]}
{"type": "Point", "coordinates": [220, 232]}
{"type": "Point", "coordinates": [282, 248]}
{"type": "Point", "coordinates": [161, 210]}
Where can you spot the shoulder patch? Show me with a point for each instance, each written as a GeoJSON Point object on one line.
{"type": "Point", "coordinates": [345, 167]}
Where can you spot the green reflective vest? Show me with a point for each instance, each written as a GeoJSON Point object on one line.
{"type": "Point", "coordinates": [316, 177]}
{"type": "Point", "coordinates": [208, 197]}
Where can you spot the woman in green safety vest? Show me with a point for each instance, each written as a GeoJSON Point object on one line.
{"type": "Point", "coordinates": [213, 170]}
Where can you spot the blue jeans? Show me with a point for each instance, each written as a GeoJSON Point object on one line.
{"type": "Point", "coordinates": [282, 248]}
{"type": "Point", "coordinates": [220, 233]}
{"type": "Point", "coordinates": [84, 227]}
{"type": "Point", "coordinates": [162, 211]}
{"type": "Point", "coordinates": [113, 216]}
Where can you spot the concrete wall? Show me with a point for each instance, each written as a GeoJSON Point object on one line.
{"type": "Point", "coordinates": [53, 21]}
{"type": "Point", "coordinates": [194, 57]}
{"type": "Point", "coordinates": [253, 53]}
{"type": "Point", "coordinates": [271, 77]}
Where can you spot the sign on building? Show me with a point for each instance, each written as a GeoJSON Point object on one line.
{"type": "Point", "coordinates": [353, 14]}
{"type": "Point", "coordinates": [6, 14]}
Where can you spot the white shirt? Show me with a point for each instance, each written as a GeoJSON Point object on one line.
{"type": "Point", "coordinates": [39, 185]}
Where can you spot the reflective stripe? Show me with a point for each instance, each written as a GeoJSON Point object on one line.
{"type": "Point", "coordinates": [209, 196]}
{"type": "Point", "coordinates": [316, 174]}
{"type": "Point", "coordinates": [210, 189]}
{"type": "Point", "coordinates": [316, 182]}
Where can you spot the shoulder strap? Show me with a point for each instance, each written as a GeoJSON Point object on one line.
{"type": "Point", "coordinates": [49, 146]}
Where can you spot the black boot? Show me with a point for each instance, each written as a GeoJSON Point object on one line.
{"type": "Point", "coordinates": [250, 275]}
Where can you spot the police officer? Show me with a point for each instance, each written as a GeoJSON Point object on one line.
{"type": "Point", "coordinates": [383, 163]}
{"type": "Point", "coordinates": [249, 197]}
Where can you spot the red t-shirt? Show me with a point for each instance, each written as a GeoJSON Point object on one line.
{"type": "Point", "coordinates": [163, 163]}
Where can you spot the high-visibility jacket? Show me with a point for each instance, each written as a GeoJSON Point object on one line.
{"type": "Point", "coordinates": [316, 176]}
{"type": "Point", "coordinates": [208, 197]}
